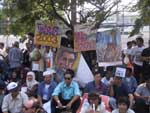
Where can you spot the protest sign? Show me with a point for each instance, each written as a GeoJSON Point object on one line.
{"type": "Point", "coordinates": [47, 33]}
{"type": "Point", "coordinates": [108, 47]}
{"type": "Point", "coordinates": [84, 37]}
{"type": "Point", "coordinates": [120, 72]}
{"type": "Point", "coordinates": [66, 58]}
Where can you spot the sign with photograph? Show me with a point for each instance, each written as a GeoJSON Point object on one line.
{"type": "Point", "coordinates": [108, 47]}
{"type": "Point", "coordinates": [66, 58]}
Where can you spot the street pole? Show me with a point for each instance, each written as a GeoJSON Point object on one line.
{"type": "Point", "coordinates": [73, 12]}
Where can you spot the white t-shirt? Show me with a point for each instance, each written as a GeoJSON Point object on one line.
{"type": "Point", "coordinates": [117, 111]}
{"type": "Point", "coordinates": [136, 53]}
{"type": "Point", "coordinates": [107, 82]}
{"type": "Point", "coordinates": [87, 107]}
{"type": "Point", "coordinates": [127, 51]}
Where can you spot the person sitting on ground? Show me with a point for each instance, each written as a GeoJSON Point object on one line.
{"type": "Point", "coordinates": [123, 106]}
{"type": "Point", "coordinates": [96, 85]}
{"type": "Point", "coordinates": [14, 101]}
{"type": "Point", "coordinates": [130, 80]}
{"type": "Point", "coordinates": [108, 77]}
{"type": "Point", "coordinates": [33, 106]}
{"type": "Point", "coordinates": [2, 93]}
{"type": "Point", "coordinates": [93, 104]}
{"type": "Point", "coordinates": [142, 96]}
{"type": "Point", "coordinates": [14, 77]}
{"type": "Point", "coordinates": [46, 87]}
{"type": "Point", "coordinates": [120, 89]}
{"type": "Point", "coordinates": [31, 84]}
{"type": "Point", "coordinates": [67, 93]}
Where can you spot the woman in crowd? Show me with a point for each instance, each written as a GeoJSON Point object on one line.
{"type": "Point", "coordinates": [31, 85]}
{"type": "Point", "coordinates": [14, 77]}
{"type": "Point", "coordinates": [93, 104]}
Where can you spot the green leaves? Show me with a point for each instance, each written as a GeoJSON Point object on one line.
{"type": "Point", "coordinates": [144, 8]}
{"type": "Point", "coordinates": [25, 12]}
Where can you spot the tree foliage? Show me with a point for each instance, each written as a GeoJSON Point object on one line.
{"type": "Point", "coordinates": [144, 8]}
{"type": "Point", "coordinates": [24, 13]}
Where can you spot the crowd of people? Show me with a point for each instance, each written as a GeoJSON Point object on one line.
{"type": "Point", "coordinates": [27, 82]}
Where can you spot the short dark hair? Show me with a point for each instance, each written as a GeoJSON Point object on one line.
{"type": "Point", "coordinates": [139, 38]}
{"type": "Point", "coordinates": [69, 71]}
{"type": "Point", "coordinates": [94, 95]}
{"type": "Point", "coordinates": [31, 34]}
{"type": "Point", "coordinates": [128, 43]}
{"type": "Point", "coordinates": [124, 100]}
{"type": "Point", "coordinates": [2, 44]}
{"type": "Point", "coordinates": [96, 71]}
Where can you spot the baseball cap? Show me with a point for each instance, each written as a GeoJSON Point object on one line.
{"type": "Point", "coordinates": [12, 86]}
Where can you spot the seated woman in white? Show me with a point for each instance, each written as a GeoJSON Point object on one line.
{"type": "Point", "coordinates": [123, 106]}
{"type": "Point", "coordinates": [93, 104]}
{"type": "Point", "coordinates": [31, 85]}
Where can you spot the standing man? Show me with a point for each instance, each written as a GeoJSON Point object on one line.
{"type": "Point", "coordinates": [146, 60]}
{"type": "Point", "coordinates": [15, 57]}
{"type": "Point", "coordinates": [15, 100]}
{"type": "Point", "coordinates": [67, 93]}
{"type": "Point", "coordinates": [137, 62]}
{"type": "Point", "coordinates": [126, 53]}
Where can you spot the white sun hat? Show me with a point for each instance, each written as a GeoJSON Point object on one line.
{"type": "Point", "coordinates": [12, 86]}
{"type": "Point", "coordinates": [49, 72]}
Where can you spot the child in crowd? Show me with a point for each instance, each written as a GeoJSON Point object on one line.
{"type": "Point", "coordinates": [93, 104]}
{"type": "Point", "coordinates": [123, 106]}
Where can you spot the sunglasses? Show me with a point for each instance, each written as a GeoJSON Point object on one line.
{"type": "Point", "coordinates": [67, 78]}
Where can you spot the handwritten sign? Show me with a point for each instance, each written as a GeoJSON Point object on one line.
{"type": "Point", "coordinates": [84, 38]}
{"type": "Point", "coordinates": [47, 34]}
{"type": "Point", "coordinates": [120, 72]}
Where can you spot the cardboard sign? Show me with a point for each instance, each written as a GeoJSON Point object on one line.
{"type": "Point", "coordinates": [84, 38]}
{"type": "Point", "coordinates": [120, 72]}
{"type": "Point", "coordinates": [108, 47]}
{"type": "Point", "coordinates": [47, 34]}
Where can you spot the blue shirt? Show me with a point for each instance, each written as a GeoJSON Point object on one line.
{"type": "Point", "coordinates": [102, 89]}
{"type": "Point", "coordinates": [121, 90]}
{"type": "Point", "coordinates": [131, 83]}
{"type": "Point", "coordinates": [67, 92]}
{"type": "Point", "coordinates": [46, 94]}
{"type": "Point", "coordinates": [15, 57]}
